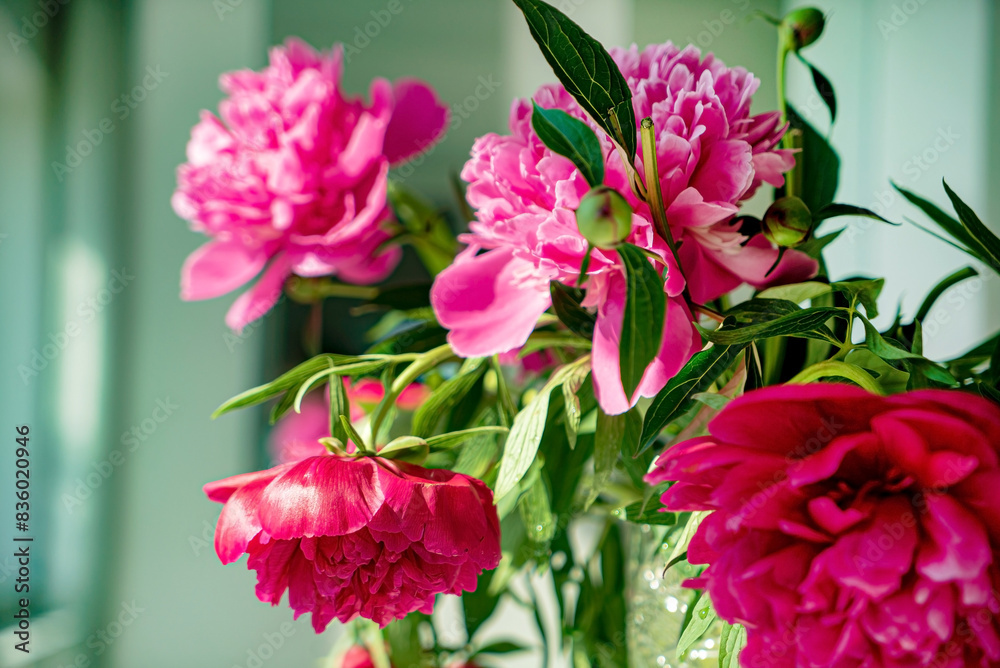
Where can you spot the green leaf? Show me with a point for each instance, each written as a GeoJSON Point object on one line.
{"type": "Point", "coordinates": [286, 381]}
{"type": "Point", "coordinates": [522, 442]}
{"type": "Point", "coordinates": [403, 297]}
{"type": "Point", "coordinates": [636, 465]}
{"type": "Point", "coordinates": [823, 87]}
{"type": "Point", "coordinates": [712, 399]}
{"type": "Point", "coordinates": [571, 138]}
{"type": "Point", "coordinates": [502, 647]}
{"type": "Point", "coordinates": [456, 438]}
{"type": "Point", "coordinates": [951, 226]}
{"type": "Point", "coordinates": [352, 433]}
{"type": "Point", "coordinates": [865, 291]}
{"type": "Point", "coordinates": [445, 397]}
{"type": "Point", "coordinates": [566, 304]}
{"type": "Point", "coordinates": [731, 643]}
{"type": "Point", "coordinates": [701, 620]}
{"type": "Point", "coordinates": [796, 292]}
{"type": "Point", "coordinates": [650, 512]}
{"type": "Point", "coordinates": [888, 351]}
{"type": "Point", "coordinates": [814, 247]}
{"type": "Point", "coordinates": [536, 513]}
{"type": "Point", "coordinates": [339, 405]}
{"type": "Point", "coordinates": [820, 165]}
{"type": "Point", "coordinates": [836, 210]}
{"type": "Point", "coordinates": [807, 323]}
{"type": "Point", "coordinates": [586, 69]}
{"type": "Point", "coordinates": [527, 431]}
{"type": "Point", "coordinates": [405, 447]}
{"type": "Point", "coordinates": [645, 308]}
{"type": "Point", "coordinates": [941, 288]}
{"type": "Point", "coordinates": [607, 445]}
{"type": "Point", "coordinates": [837, 369]}
{"type": "Point", "coordinates": [571, 402]}
{"type": "Point", "coordinates": [984, 238]}
{"type": "Point", "coordinates": [697, 376]}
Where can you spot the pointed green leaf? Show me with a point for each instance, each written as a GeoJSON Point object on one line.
{"type": "Point", "coordinates": [645, 309]}
{"type": "Point", "coordinates": [806, 323]}
{"type": "Point", "coordinates": [704, 616]}
{"type": "Point", "coordinates": [820, 165]}
{"type": "Point", "coordinates": [952, 227]}
{"type": "Point", "coordinates": [942, 287]}
{"type": "Point", "coordinates": [456, 438]}
{"type": "Point", "coordinates": [585, 68]}
{"type": "Point", "coordinates": [571, 138]}
{"type": "Point", "coordinates": [696, 376]}
{"type": "Point", "coordinates": [987, 240]}
{"type": "Point", "coordinates": [444, 398]}
{"type": "Point", "coordinates": [823, 87]}
{"type": "Point", "coordinates": [731, 643]}
{"type": "Point", "coordinates": [835, 210]}
{"type": "Point", "coordinates": [566, 304]}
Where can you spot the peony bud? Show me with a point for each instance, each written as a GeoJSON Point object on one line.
{"type": "Point", "coordinates": [604, 217]}
{"type": "Point", "coordinates": [787, 222]}
{"type": "Point", "coordinates": [806, 25]}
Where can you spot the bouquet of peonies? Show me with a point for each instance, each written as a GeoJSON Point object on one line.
{"type": "Point", "coordinates": [583, 387]}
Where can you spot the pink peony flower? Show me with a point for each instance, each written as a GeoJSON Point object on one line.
{"type": "Point", "coordinates": [357, 536]}
{"type": "Point", "coordinates": [293, 177]}
{"type": "Point", "coordinates": [711, 154]}
{"type": "Point", "coordinates": [848, 529]}
{"type": "Point", "coordinates": [296, 435]}
{"type": "Point", "coordinates": [357, 657]}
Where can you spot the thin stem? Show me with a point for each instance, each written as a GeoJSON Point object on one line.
{"type": "Point", "coordinates": [421, 365]}
{"type": "Point", "coordinates": [313, 334]}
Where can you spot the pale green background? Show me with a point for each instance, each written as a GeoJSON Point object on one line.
{"type": "Point", "coordinates": [139, 536]}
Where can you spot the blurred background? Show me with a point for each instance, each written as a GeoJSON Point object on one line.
{"type": "Point", "coordinates": [117, 377]}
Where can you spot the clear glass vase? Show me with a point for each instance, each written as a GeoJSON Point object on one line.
{"type": "Point", "coordinates": [657, 604]}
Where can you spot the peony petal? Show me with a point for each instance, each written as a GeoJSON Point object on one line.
{"type": "Point", "coordinates": [488, 304]}
{"type": "Point", "coordinates": [328, 495]}
{"type": "Point", "coordinates": [219, 267]}
{"type": "Point", "coordinates": [261, 297]}
{"type": "Point", "coordinates": [418, 120]}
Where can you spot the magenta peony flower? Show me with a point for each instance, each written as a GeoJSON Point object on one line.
{"type": "Point", "coordinates": [711, 155]}
{"type": "Point", "coordinates": [848, 529]}
{"type": "Point", "coordinates": [293, 177]}
{"type": "Point", "coordinates": [357, 536]}
{"type": "Point", "coordinates": [357, 657]}
{"type": "Point", "coordinates": [296, 435]}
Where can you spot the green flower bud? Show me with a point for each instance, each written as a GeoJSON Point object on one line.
{"type": "Point", "coordinates": [787, 222]}
{"type": "Point", "coordinates": [806, 25]}
{"type": "Point", "coordinates": [604, 217]}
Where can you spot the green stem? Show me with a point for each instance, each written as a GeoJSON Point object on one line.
{"type": "Point", "coordinates": [421, 365]}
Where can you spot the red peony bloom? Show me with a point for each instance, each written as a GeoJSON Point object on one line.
{"type": "Point", "coordinates": [357, 657]}
{"type": "Point", "coordinates": [848, 529]}
{"type": "Point", "coordinates": [357, 536]}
